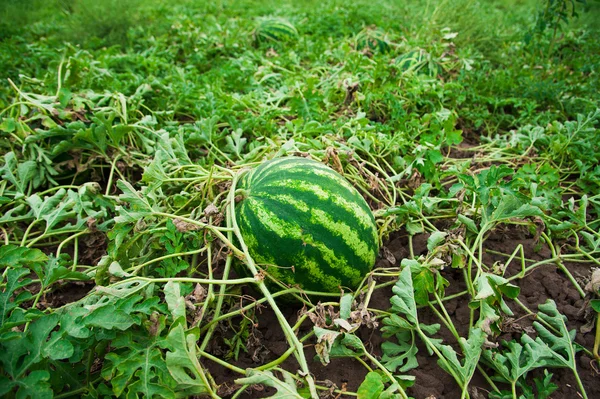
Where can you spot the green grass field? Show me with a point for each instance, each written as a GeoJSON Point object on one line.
{"type": "Point", "coordinates": [470, 127]}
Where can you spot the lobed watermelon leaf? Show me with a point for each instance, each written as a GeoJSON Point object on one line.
{"type": "Point", "coordinates": [136, 366]}
{"type": "Point", "coordinates": [286, 389]}
{"type": "Point", "coordinates": [182, 361]}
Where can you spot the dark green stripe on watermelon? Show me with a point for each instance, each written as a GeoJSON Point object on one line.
{"type": "Point", "coordinates": [290, 253]}
{"type": "Point", "coordinates": [299, 213]}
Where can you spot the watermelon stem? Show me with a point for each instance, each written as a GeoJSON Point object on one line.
{"type": "Point", "coordinates": [243, 194]}
{"type": "Point", "coordinates": [220, 299]}
{"type": "Point", "coordinates": [287, 329]}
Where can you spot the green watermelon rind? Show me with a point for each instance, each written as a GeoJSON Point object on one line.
{"type": "Point", "coordinates": [373, 39]}
{"type": "Point", "coordinates": [307, 225]}
{"type": "Point", "coordinates": [275, 31]}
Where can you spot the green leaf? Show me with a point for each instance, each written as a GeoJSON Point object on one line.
{"type": "Point", "coordinates": [175, 300]}
{"type": "Point", "coordinates": [471, 226]}
{"type": "Point", "coordinates": [595, 303]}
{"type": "Point", "coordinates": [394, 324]}
{"type": "Point", "coordinates": [116, 291]}
{"type": "Point", "coordinates": [235, 142]}
{"type": "Point", "coordinates": [53, 209]}
{"type": "Point", "coordinates": [109, 317]}
{"type": "Point", "coordinates": [174, 149]}
{"type": "Point", "coordinates": [517, 361]}
{"type": "Point", "coordinates": [136, 366]}
{"type": "Point", "coordinates": [58, 347]}
{"type": "Point", "coordinates": [19, 174]}
{"type": "Point", "coordinates": [492, 289]}
{"type": "Point", "coordinates": [371, 387]}
{"type": "Point", "coordinates": [346, 306]}
{"type": "Point", "coordinates": [71, 321]}
{"type": "Point", "coordinates": [15, 281]}
{"type": "Point", "coordinates": [489, 284]}
{"type": "Point", "coordinates": [403, 303]}
{"type": "Point", "coordinates": [54, 271]}
{"type": "Point", "coordinates": [472, 348]}
{"type": "Point", "coordinates": [489, 315]}
{"type": "Point", "coordinates": [140, 207]}
{"type": "Point", "coordinates": [592, 242]}
{"type": "Point", "coordinates": [560, 343]}
{"type": "Point", "coordinates": [21, 353]}
{"type": "Point", "coordinates": [349, 345]}
{"type": "Point", "coordinates": [175, 242]}
{"type": "Point", "coordinates": [66, 376]}
{"type": "Point", "coordinates": [403, 300]}
{"type": "Point", "coordinates": [286, 389]}
{"type": "Point", "coordinates": [6, 385]}
{"type": "Point", "coordinates": [119, 233]}
{"type": "Point", "coordinates": [12, 255]}
{"type": "Point", "coordinates": [453, 136]}
{"type": "Point", "coordinates": [423, 282]}
{"type": "Point", "coordinates": [435, 156]}
{"type": "Point", "coordinates": [89, 203]}
{"type": "Point", "coordinates": [414, 228]}
{"type": "Point", "coordinates": [544, 386]}
{"type": "Point", "coordinates": [8, 125]}
{"type": "Point", "coordinates": [401, 356]}
{"type": "Point", "coordinates": [430, 329]}
{"type": "Point", "coordinates": [435, 239]}
{"type": "Point", "coordinates": [513, 207]}
{"type": "Point", "coordinates": [402, 382]}
{"type": "Point", "coordinates": [182, 362]}
{"type": "Point", "coordinates": [155, 172]}
{"type": "Point", "coordinates": [94, 135]}
{"type": "Point", "coordinates": [34, 386]}
{"type": "Point", "coordinates": [116, 270]}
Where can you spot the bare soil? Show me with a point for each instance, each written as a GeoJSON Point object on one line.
{"type": "Point", "coordinates": [545, 282]}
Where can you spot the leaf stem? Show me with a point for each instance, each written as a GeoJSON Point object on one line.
{"type": "Point", "coordinates": [580, 384]}
{"type": "Point", "coordinates": [385, 371]}
{"type": "Point", "coordinates": [287, 329]}
{"type": "Point", "coordinates": [221, 362]}
{"type": "Point", "coordinates": [78, 391]}
{"type": "Point", "coordinates": [561, 266]}
{"type": "Point", "coordinates": [137, 268]}
{"type": "Point", "coordinates": [246, 280]}
{"type": "Point", "coordinates": [597, 338]}
{"type": "Point", "coordinates": [27, 231]}
{"type": "Point", "coordinates": [112, 174]}
{"type": "Point", "coordinates": [487, 378]}
{"type": "Point", "coordinates": [216, 316]}
{"type": "Point", "coordinates": [444, 316]}
{"type": "Point", "coordinates": [63, 242]}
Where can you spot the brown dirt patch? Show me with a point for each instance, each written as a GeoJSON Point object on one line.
{"type": "Point", "coordinates": [545, 282]}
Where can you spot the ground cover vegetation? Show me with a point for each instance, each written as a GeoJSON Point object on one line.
{"type": "Point", "coordinates": [469, 127]}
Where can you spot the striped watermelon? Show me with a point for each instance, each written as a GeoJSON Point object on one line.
{"type": "Point", "coordinates": [275, 30]}
{"type": "Point", "coordinates": [372, 39]}
{"type": "Point", "coordinates": [304, 217]}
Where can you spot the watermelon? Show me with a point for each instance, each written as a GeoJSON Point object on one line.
{"type": "Point", "coordinates": [306, 225]}
{"type": "Point", "coordinates": [275, 30]}
{"type": "Point", "coordinates": [372, 39]}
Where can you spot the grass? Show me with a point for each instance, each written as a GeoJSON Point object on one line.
{"type": "Point", "coordinates": [122, 121]}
